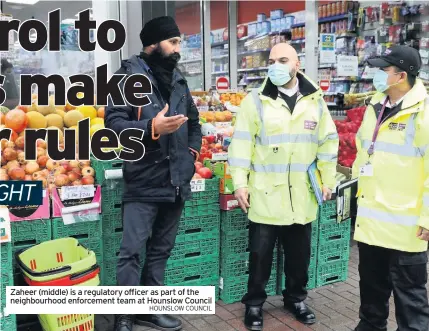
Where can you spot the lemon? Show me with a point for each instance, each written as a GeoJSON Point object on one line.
{"type": "Point", "coordinates": [97, 120]}
{"type": "Point", "coordinates": [95, 128]}
{"type": "Point", "coordinates": [87, 111]}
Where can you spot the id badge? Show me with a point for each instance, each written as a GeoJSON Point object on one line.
{"type": "Point", "coordinates": [366, 170]}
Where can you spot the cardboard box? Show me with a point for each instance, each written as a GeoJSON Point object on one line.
{"type": "Point", "coordinates": [228, 202]}
{"type": "Point", "coordinates": [30, 213]}
{"type": "Point", "coordinates": [225, 186]}
{"type": "Point", "coordinates": [345, 171]}
{"type": "Point", "coordinates": [221, 170]}
{"type": "Point", "coordinates": [88, 194]}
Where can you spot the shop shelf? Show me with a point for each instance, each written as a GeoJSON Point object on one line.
{"type": "Point", "coordinates": [192, 270]}
{"type": "Point", "coordinates": [31, 232]}
{"type": "Point", "coordinates": [234, 265]}
{"type": "Point", "coordinates": [332, 272]}
{"type": "Point", "coordinates": [197, 224]}
{"type": "Point", "coordinates": [8, 323]}
{"type": "Point", "coordinates": [333, 232]}
{"type": "Point", "coordinates": [90, 229]}
{"type": "Point", "coordinates": [207, 246]}
{"type": "Point", "coordinates": [328, 212]}
{"type": "Point", "coordinates": [233, 220]}
{"type": "Point", "coordinates": [111, 196]}
{"type": "Point", "coordinates": [234, 243]}
{"type": "Point", "coordinates": [339, 250]}
{"type": "Point", "coordinates": [101, 166]}
{"type": "Point", "coordinates": [233, 289]}
{"type": "Point", "coordinates": [112, 222]}
{"type": "Point", "coordinates": [201, 210]}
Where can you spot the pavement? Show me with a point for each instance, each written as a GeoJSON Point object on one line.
{"type": "Point", "coordinates": [336, 307]}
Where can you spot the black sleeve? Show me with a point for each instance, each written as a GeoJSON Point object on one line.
{"type": "Point", "coordinates": [119, 118]}
{"type": "Point", "coordinates": [194, 127]}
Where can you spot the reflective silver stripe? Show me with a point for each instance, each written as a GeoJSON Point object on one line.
{"type": "Point", "coordinates": [286, 138]}
{"type": "Point", "coordinates": [280, 168]}
{"type": "Point", "coordinates": [410, 130]}
{"type": "Point", "coordinates": [422, 150]}
{"type": "Point", "coordinates": [426, 200]}
{"type": "Point", "coordinates": [258, 103]}
{"type": "Point", "coordinates": [387, 217]}
{"type": "Point", "coordinates": [242, 135]}
{"type": "Point", "coordinates": [403, 150]}
{"type": "Point", "coordinates": [237, 162]}
{"type": "Point", "coordinates": [331, 136]}
{"type": "Point", "coordinates": [327, 157]}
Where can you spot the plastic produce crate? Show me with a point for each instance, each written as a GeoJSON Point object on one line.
{"type": "Point", "coordinates": [111, 196]}
{"type": "Point", "coordinates": [31, 232]}
{"type": "Point", "coordinates": [6, 272]}
{"type": "Point", "coordinates": [333, 232]}
{"type": "Point", "coordinates": [90, 229]}
{"type": "Point", "coordinates": [6, 256]}
{"type": "Point", "coordinates": [201, 210]}
{"type": "Point", "coordinates": [338, 250]}
{"type": "Point", "coordinates": [233, 221]}
{"type": "Point", "coordinates": [328, 212]}
{"type": "Point", "coordinates": [208, 245]}
{"type": "Point", "coordinates": [331, 272]}
{"type": "Point", "coordinates": [191, 269]}
{"type": "Point", "coordinates": [235, 265]}
{"type": "Point", "coordinates": [101, 166]}
{"type": "Point", "coordinates": [212, 281]}
{"type": "Point", "coordinates": [95, 245]}
{"type": "Point", "coordinates": [199, 224]}
{"type": "Point", "coordinates": [233, 289]}
{"type": "Point", "coordinates": [209, 193]}
{"type": "Point", "coordinates": [8, 323]}
{"type": "Point", "coordinates": [235, 243]}
{"type": "Point", "coordinates": [15, 267]}
{"type": "Point", "coordinates": [111, 245]}
{"type": "Point", "coordinates": [282, 279]}
{"type": "Point", "coordinates": [109, 272]}
{"type": "Point", "coordinates": [112, 222]}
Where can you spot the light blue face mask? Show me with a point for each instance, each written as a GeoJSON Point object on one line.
{"type": "Point", "coordinates": [380, 81]}
{"type": "Point", "coordinates": [279, 73]}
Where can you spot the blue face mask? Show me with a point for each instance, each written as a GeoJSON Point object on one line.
{"type": "Point", "coordinates": [279, 74]}
{"type": "Point", "coordinates": [380, 81]}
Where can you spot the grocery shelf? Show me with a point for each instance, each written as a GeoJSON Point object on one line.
{"type": "Point", "coordinates": [252, 69]}
{"type": "Point", "coordinates": [255, 51]}
{"type": "Point", "coordinates": [324, 20]}
{"type": "Point", "coordinates": [190, 61]}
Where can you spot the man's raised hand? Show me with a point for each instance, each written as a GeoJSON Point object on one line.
{"type": "Point", "coordinates": [166, 125]}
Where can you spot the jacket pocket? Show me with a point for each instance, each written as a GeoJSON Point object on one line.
{"type": "Point", "coordinates": [269, 195]}
{"type": "Point", "coordinates": [189, 168]}
{"type": "Point", "coordinates": [412, 269]}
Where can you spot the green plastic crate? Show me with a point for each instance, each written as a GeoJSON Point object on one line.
{"type": "Point", "coordinates": [233, 220]}
{"type": "Point", "coordinates": [111, 245]}
{"type": "Point", "coordinates": [212, 281]}
{"type": "Point", "coordinates": [201, 210]}
{"type": "Point", "coordinates": [6, 280]}
{"type": "Point", "coordinates": [84, 230]}
{"type": "Point", "coordinates": [191, 269]}
{"type": "Point", "coordinates": [101, 166]}
{"type": "Point", "coordinates": [314, 232]}
{"type": "Point", "coordinates": [332, 272]}
{"type": "Point", "coordinates": [15, 249]}
{"type": "Point", "coordinates": [338, 250]}
{"type": "Point", "coordinates": [111, 196]}
{"type": "Point", "coordinates": [197, 199]}
{"type": "Point", "coordinates": [8, 323]}
{"type": "Point", "coordinates": [234, 243]}
{"type": "Point", "coordinates": [333, 232]}
{"type": "Point", "coordinates": [211, 191]}
{"type": "Point", "coordinates": [6, 256]}
{"type": "Point", "coordinates": [109, 272]}
{"type": "Point", "coordinates": [95, 245]}
{"type": "Point", "coordinates": [235, 265]}
{"type": "Point", "coordinates": [199, 224]}
{"type": "Point", "coordinates": [281, 285]}
{"type": "Point", "coordinates": [327, 212]}
{"type": "Point", "coordinates": [112, 222]}
{"type": "Point", "coordinates": [208, 245]}
{"type": "Point", "coordinates": [233, 289]}
{"type": "Point", "coordinates": [31, 232]}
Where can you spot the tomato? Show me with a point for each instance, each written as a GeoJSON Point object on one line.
{"type": "Point", "coordinates": [205, 172]}
{"type": "Point", "coordinates": [198, 166]}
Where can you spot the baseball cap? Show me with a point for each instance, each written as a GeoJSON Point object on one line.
{"type": "Point", "coordinates": [404, 57]}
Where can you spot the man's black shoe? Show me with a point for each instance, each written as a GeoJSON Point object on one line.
{"type": "Point", "coordinates": [159, 322]}
{"type": "Point", "coordinates": [124, 322]}
{"type": "Point", "coordinates": [302, 312]}
{"type": "Point", "coordinates": [253, 319]}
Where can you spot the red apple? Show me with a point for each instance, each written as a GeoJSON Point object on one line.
{"type": "Point", "coordinates": [198, 166]}
{"type": "Point", "coordinates": [87, 180]}
{"type": "Point", "coordinates": [197, 176]}
{"type": "Point", "coordinates": [205, 172]}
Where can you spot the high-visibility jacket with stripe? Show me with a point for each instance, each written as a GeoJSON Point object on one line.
{"type": "Point", "coordinates": [394, 201]}
{"type": "Point", "coordinates": [272, 148]}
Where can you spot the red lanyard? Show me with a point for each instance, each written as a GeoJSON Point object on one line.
{"type": "Point", "coordinates": [377, 128]}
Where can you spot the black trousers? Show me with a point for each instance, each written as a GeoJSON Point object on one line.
{"type": "Point", "coordinates": [150, 225]}
{"type": "Point", "coordinates": [296, 242]}
{"type": "Point", "coordinates": [383, 271]}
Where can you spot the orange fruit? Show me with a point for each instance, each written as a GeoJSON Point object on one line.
{"type": "Point", "coordinates": [100, 112]}
{"type": "Point", "coordinates": [1, 118]}
{"type": "Point", "coordinates": [16, 120]}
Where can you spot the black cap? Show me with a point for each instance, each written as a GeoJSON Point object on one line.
{"type": "Point", "coordinates": [404, 57]}
{"type": "Point", "coordinates": [159, 29]}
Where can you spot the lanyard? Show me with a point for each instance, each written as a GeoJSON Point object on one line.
{"type": "Point", "coordinates": [377, 128]}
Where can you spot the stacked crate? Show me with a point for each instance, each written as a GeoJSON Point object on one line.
{"type": "Point", "coordinates": [234, 259]}
{"type": "Point", "coordinates": [111, 209]}
{"type": "Point", "coordinates": [6, 270]}
{"type": "Point", "coordinates": [334, 246]}
{"type": "Point", "coordinates": [281, 278]}
{"type": "Point", "coordinates": [194, 260]}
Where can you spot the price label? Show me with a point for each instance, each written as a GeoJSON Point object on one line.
{"type": "Point", "coordinates": [223, 125]}
{"type": "Point", "coordinates": [4, 225]}
{"type": "Point", "coordinates": [77, 192]}
{"type": "Point", "coordinates": [232, 204]}
{"type": "Point", "coordinates": [198, 185]}
{"type": "Point", "coordinates": [203, 108]}
{"type": "Point", "coordinates": [424, 53]}
{"type": "Point", "coordinates": [220, 156]}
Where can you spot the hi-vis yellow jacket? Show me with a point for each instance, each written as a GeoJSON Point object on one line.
{"type": "Point", "coordinates": [271, 150]}
{"type": "Point", "coordinates": [394, 201]}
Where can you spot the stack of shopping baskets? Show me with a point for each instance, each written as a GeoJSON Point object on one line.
{"type": "Point", "coordinates": [60, 262]}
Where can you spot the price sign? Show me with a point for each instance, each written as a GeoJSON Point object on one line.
{"type": "Point", "coordinates": [232, 204]}
{"type": "Point", "coordinates": [220, 156]}
{"type": "Point", "coordinates": [203, 108]}
{"type": "Point", "coordinates": [347, 66]}
{"type": "Point", "coordinates": [77, 192]}
{"type": "Point", "coordinates": [223, 125]}
{"type": "Point", "coordinates": [4, 225]}
{"type": "Point", "coordinates": [198, 185]}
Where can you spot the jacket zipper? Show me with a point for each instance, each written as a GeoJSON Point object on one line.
{"type": "Point", "coordinates": [290, 186]}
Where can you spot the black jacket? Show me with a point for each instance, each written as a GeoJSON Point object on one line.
{"type": "Point", "coordinates": [165, 171]}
